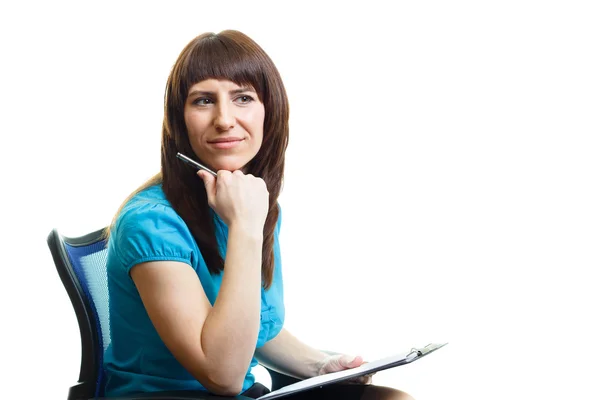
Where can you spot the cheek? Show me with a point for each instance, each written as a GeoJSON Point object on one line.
{"type": "Point", "coordinates": [258, 132]}
{"type": "Point", "coordinates": [188, 124]}
{"type": "Point", "coordinates": [258, 120]}
{"type": "Point", "coordinates": [194, 124]}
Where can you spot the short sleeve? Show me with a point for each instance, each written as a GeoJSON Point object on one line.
{"type": "Point", "coordinates": [152, 232]}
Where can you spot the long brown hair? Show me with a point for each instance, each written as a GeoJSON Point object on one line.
{"type": "Point", "coordinates": [233, 56]}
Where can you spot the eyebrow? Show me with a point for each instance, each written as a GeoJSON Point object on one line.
{"type": "Point", "coordinates": [231, 92]}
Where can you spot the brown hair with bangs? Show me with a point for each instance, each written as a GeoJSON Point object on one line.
{"type": "Point", "coordinates": [233, 56]}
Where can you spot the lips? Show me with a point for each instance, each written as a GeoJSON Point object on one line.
{"type": "Point", "coordinates": [226, 143]}
{"type": "Point", "coordinates": [225, 140]}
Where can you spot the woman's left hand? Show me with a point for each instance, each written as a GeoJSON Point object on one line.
{"type": "Point", "coordinates": [340, 362]}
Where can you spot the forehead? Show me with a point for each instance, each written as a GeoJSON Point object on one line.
{"type": "Point", "coordinates": [216, 85]}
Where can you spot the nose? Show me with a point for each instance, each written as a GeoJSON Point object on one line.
{"type": "Point", "coordinates": [225, 116]}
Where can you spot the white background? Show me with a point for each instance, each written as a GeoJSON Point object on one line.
{"type": "Point", "coordinates": [442, 178]}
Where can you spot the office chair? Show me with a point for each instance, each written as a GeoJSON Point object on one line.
{"type": "Point", "coordinates": [81, 265]}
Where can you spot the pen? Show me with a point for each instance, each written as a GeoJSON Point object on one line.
{"type": "Point", "coordinates": [193, 163]}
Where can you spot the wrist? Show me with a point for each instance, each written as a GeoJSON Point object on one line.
{"type": "Point", "coordinates": [249, 233]}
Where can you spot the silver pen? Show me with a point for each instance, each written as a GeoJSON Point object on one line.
{"type": "Point", "coordinates": [195, 164]}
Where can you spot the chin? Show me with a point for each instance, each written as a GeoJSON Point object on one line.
{"type": "Point", "coordinates": [230, 166]}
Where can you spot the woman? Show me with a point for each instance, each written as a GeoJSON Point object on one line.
{"type": "Point", "coordinates": [194, 271]}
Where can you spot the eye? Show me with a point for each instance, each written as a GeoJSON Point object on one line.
{"type": "Point", "coordinates": [203, 101]}
{"type": "Point", "coordinates": [245, 99]}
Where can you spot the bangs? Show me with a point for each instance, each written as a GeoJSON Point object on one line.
{"type": "Point", "coordinates": [217, 57]}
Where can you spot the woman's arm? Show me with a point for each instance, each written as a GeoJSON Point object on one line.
{"type": "Point", "coordinates": [215, 344]}
{"type": "Point", "coordinates": [287, 354]}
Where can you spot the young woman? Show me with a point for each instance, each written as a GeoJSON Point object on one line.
{"type": "Point", "coordinates": [194, 270]}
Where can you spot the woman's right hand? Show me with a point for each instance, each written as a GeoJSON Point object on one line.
{"type": "Point", "coordinates": [239, 200]}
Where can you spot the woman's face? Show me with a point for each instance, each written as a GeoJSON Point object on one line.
{"type": "Point", "coordinates": [224, 123]}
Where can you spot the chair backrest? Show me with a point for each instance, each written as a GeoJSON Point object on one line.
{"type": "Point", "coordinates": [81, 265]}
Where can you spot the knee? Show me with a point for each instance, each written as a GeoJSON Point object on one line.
{"type": "Point", "coordinates": [403, 396]}
{"type": "Point", "coordinates": [399, 395]}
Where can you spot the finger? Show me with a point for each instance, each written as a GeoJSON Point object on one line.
{"type": "Point", "coordinates": [209, 185]}
{"type": "Point", "coordinates": [351, 361]}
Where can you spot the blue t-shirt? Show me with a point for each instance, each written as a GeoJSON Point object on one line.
{"type": "Point", "coordinates": [149, 229]}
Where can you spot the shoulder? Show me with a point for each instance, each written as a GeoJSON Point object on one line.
{"type": "Point", "coordinates": [149, 228]}
{"type": "Point", "coordinates": [149, 207]}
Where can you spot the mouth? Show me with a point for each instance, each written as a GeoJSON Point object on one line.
{"type": "Point", "coordinates": [225, 143]}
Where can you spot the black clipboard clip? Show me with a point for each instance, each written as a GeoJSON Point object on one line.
{"type": "Point", "coordinates": [415, 353]}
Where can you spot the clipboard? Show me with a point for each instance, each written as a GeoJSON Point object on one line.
{"type": "Point", "coordinates": [368, 368]}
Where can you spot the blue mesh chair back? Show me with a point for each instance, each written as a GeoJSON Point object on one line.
{"type": "Point", "coordinates": [81, 264]}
